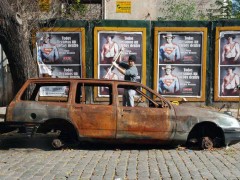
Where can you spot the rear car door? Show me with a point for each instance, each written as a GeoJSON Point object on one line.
{"type": "Point", "coordinates": [95, 119]}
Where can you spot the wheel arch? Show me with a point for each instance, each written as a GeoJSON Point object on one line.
{"type": "Point", "coordinates": [56, 124]}
{"type": "Point", "coordinates": [209, 129]}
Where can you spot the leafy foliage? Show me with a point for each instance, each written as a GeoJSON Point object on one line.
{"type": "Point", "coordinates": [184, 10]}
{"type": "Point", "coordinates": [236, 8]}
{"type": "Point", "coordinates": [225, 9]}
{"type": "Point", "coordinates": [179, 10]}
{"type": "Point", "coordinates": [74, 8]}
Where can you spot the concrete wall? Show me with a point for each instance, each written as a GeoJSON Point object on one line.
{"type": "Point", "coordinates": [145, 9]}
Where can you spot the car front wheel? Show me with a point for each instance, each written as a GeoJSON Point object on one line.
{"type": "Point", "coordinates": [205, 136]}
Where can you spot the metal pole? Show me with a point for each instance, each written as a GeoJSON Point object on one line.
{"type": "Point", "coordinates": [1, 76]}
{"type": "Point", "coordinates": [238, 103]}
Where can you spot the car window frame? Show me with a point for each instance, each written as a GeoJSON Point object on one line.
{"type": "Point", "coordinates": [95, 85]}
{"type": "Point", "coordinates": [35, 93]}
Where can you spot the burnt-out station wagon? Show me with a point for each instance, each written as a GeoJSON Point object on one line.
{"type": "Point", "coordinates": [91, 109]}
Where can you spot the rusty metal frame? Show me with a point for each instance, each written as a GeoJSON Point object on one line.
{"type": "Point", "coordinates": [204, 59]}
{"type": "Point", "coordinates": [217, 65]}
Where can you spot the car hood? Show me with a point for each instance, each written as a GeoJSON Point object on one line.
{"type": "Point", "coordinates": [196, 115]}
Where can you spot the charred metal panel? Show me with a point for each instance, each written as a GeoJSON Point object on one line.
{"type": "Point", "coordinates": [151, 123]}
{"type": "Point", "coordinates": [38, 112]}
{"type": "Point", "coordinates": [95, 120]}
{"type": "Point", "coordinates": [187, 117]}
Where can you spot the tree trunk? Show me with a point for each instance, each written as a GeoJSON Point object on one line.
{"type": "Point", "coordinates": [16, 47]}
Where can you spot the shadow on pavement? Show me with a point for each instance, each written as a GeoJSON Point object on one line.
{"type": "Point", "coordinates": [19, 141]}
{"type": "Point", "coordinates": [43, 142]}
{"type": "Point", "coordinates": [121, 146]}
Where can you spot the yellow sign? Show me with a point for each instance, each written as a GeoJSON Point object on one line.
{"type": "Point", "coordinates": [175, 102]}
{"type": "Point", "coordinates": [123, 6]}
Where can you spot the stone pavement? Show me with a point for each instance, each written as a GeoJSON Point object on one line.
{"type": "Point", "coordinates": [32, 158]}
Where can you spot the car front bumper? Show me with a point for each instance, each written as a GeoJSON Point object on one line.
{"type": "Point", "coordinates": [232, 136]}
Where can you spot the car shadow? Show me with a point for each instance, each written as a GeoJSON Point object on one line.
{"type": "Point", "coordinates": [43, 142]}
{"type": "Point", "coordinates": [121, 146]}
{"type": "Point", "coordinates": [21, 141]}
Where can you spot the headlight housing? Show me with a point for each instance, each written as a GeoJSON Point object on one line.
{"type": "Point", "coordinates": [228, 122]}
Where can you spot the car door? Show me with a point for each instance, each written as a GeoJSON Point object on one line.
{"type": "Point", "coordinates": [94, 119]}
{"type": "Point", "coordinates": [144, 122]}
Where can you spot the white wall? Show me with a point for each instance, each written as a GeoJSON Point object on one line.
{"type": "Point", "coordinates": [144, 9]}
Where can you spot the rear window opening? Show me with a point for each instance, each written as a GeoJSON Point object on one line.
{"type": "Point", "coordinates": [51, 92]}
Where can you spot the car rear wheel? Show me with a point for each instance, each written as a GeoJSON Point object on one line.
{"type": "Point", "coordinates": [66, 132]}
{"type": "Point", "coordinates": [57, 143]}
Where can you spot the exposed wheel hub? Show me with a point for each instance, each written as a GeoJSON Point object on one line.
{"type": "Point", "coordinates": [57, 143]}
{"type": "Point", "coordinates": [207, 143]}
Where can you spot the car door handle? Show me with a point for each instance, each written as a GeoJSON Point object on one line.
{"type": "Point", "coordinates": [127, 110]}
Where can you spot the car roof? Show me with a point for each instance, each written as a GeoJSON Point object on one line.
{"type": "Point", "coordinates": [50, 79]}
{"type": "Point", "coordinates": [91, 80]}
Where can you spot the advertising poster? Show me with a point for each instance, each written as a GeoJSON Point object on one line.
{"type": "Point", "coordinates": [118, 46]}
{"type": "Point", "coordinates": [60, 91]}
{"type": "Point", "coordinates": [180, 48]}
{"type": "Point", "coordinates": [180, 64]}
{"type": "Point", "coordinates": [179, 80]}
{"type": "Point", "coordinates": [66, 71]}
{"type": "Point", "coordinates": [59, 52]}
{"type": "Point", "coordinates": [229, 63]}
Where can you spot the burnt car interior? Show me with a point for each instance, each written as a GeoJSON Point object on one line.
{"type": "Point", "coordinates": [85, 91]}
{"type": "Point", "coordinates": [144, 97]}
{"type": "Point", "coordinates": [59, 92]}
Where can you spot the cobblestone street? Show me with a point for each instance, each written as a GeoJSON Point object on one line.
{"type": "Point", "coordinates": [24, 158]}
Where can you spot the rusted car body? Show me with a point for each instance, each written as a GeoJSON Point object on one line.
{"type": "Point", "coordinates": [91, 109]}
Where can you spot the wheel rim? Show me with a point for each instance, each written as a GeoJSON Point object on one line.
{"type": "Point", "coordinates": [207, 143]}
{"type": "Point", "coordinates": [57, 143]}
